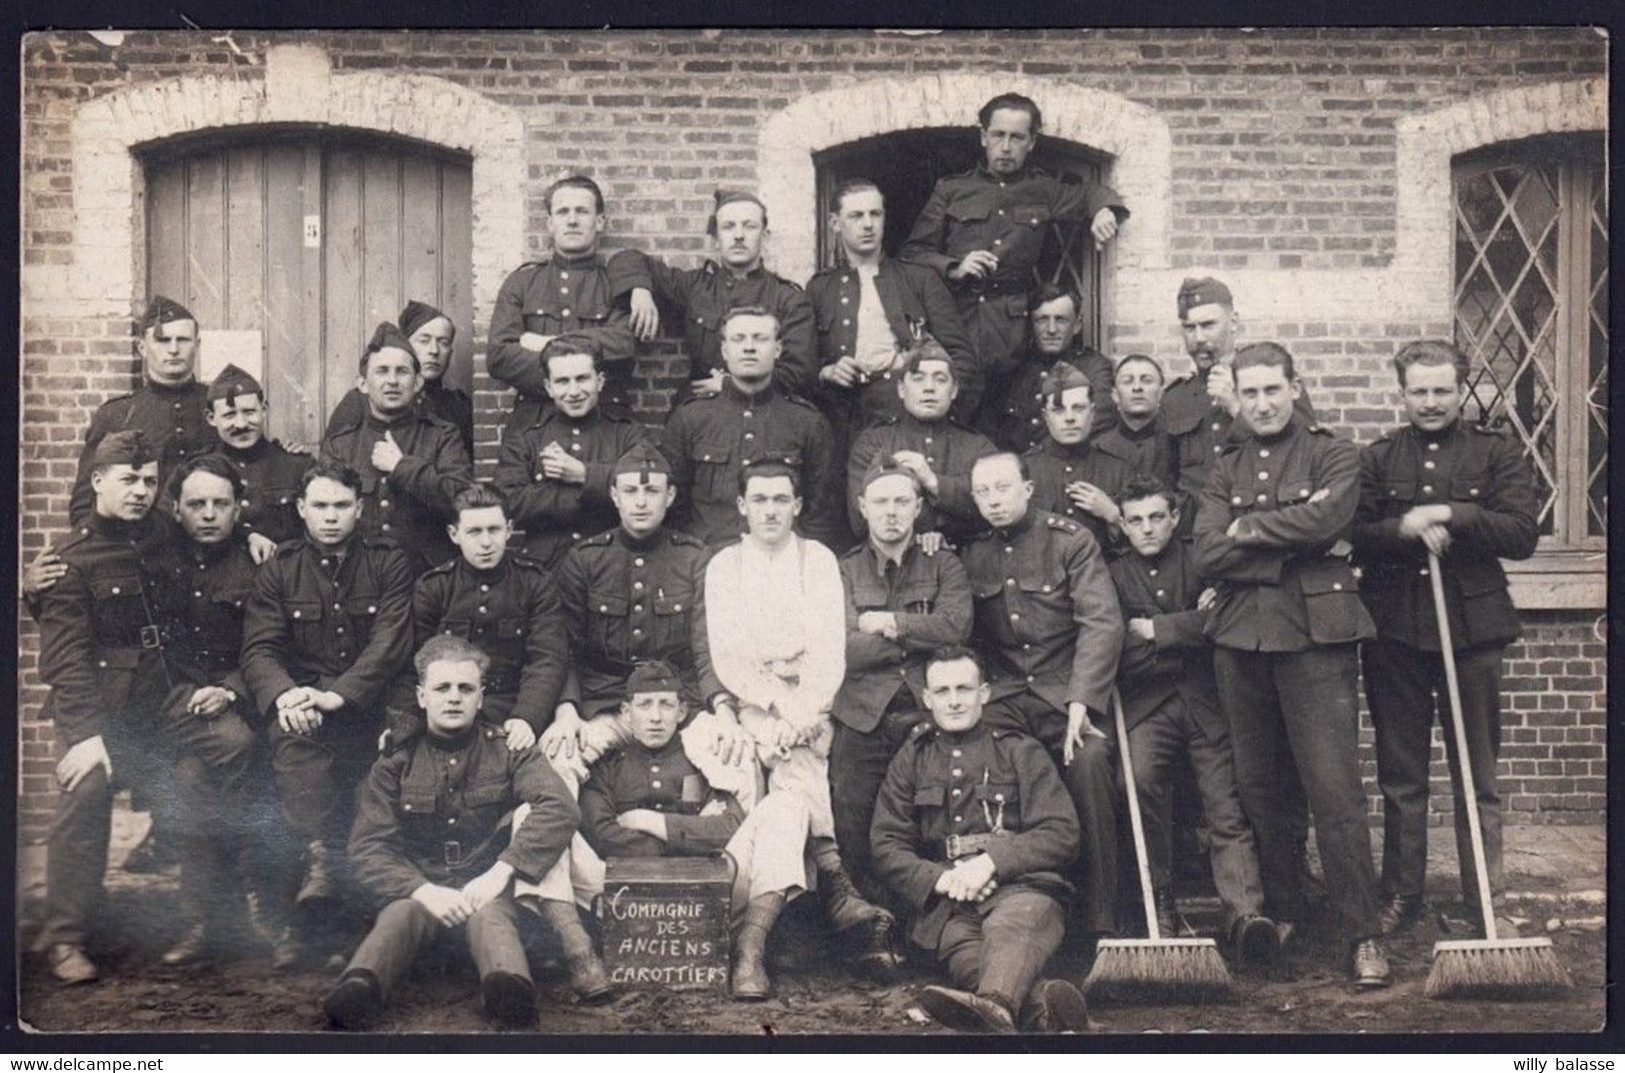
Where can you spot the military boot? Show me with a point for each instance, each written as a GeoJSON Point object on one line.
{"type": "Point", "coordinates": [320, 885]}
{"type": "Point", "coordinates": [588, 976]}
{"type": "Point", "coordinates": [750, 982]}
{"type": "Point", "coordinates": [848, 911]}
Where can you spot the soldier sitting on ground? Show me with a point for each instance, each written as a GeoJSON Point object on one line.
{"type": "Point", "coordinates": [459, 777]}
{"type": "Point", "coordinates": [973, 828]}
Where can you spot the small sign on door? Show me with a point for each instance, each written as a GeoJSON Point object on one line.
{"type": "Point", "coordinates": [313, 232]}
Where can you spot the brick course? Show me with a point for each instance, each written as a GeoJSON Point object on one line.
{"type": "Point", "coordinates": [1290, 162]}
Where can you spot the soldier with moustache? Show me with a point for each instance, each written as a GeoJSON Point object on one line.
{"type": "Point", "coordinates": [871, 311]}
{"type": "Point", "coordinates": [1464, 492]}
{"type": "Point", "coordinates": [1048, 622]}
{"type": "Point", "coordinates": [1273, 534]}
{"type": "Point", "coordinates": [984, 230]}
{"type": "Point", "coordinates": [702, 296]}
{"type": "Point", "coordinates": [1015, 420]}
{"type": "Point", "coordinates": [901, 604]}
{"type": "Point", "coordinates": [555, 471]}
{"type": "Point", "coordinates": [411, 464]}
{"type": "Point", "coordinates": [268, 472]}
{"type": "Point", "coordinates": [709, 440]}
{"type": "Point", "coordinates": [572, 291]}
{"type": "Point", "coordinates": [327, 630]}
{"type": "Point", "coordinates": [1072, 477]}
{"type": "Point", "coordinates": [924, 440]}
{"type": "Point", "coordinates": [1171, 707]}
{"type": "Point", "coordinates": [432, 335]}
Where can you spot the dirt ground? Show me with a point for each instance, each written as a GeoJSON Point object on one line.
{"type": "Point", "coordinates": [1305, 992]}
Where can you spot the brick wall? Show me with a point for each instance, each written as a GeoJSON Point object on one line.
{"type": "Point", "coordinates": [1284, 170]}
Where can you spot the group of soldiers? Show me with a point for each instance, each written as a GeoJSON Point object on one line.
{"type": "Point", "coordinates": [861, 616]}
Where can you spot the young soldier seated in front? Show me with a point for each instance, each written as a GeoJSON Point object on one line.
{"type": "Point", "coordinates": [458, 778]}
{"type": "Point", "coordinates": [651, 800]}
{"type": "Point", "coordinates": [973, 828]}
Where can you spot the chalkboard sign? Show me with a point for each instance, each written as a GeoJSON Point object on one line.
{"type": "Point", "coordinates": [666, 921]}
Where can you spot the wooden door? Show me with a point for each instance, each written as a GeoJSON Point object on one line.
{"type": "Point", "coordinates": [291, 247]}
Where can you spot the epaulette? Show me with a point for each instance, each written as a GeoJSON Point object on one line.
{"type": "Point", "coordinates": [1494, 426]}
{"type": "Point", "coordinates": [1002, 732]}
{"type": "Point", "coordinates": [441, 568]}
{"type": "Point", "coordinates": [436, 420]}
{"type": "Point", "coordinates": [710, 268]}
{"type": "Point", "coordinates": [831, 270]}
{"type": "Point", "coordinates": [597, 540]}
{"type": "Point", "coordinates": [792, 284]}
{"type": "Point", "coordinates": [524, 560]}
{"type": "Point", "coordinates": [1064, 525]}
{"type": "Point", "coordinates": [380, 541]}
{"type": "Point", "coordinates": [1318, 429]}
{"type": "Point", "coordinates": [921, 731]}
{"type": "Point", "coordinates": [289, 547]}
{"type": "Point", "coordinates": [80, 535]}
{"type": "Point", "coordinates": [686, 539]}
{"type": "Point", "coordinates": [793, 397]}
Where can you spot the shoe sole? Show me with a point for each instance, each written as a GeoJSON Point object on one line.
{"type": "Point", "coordinates": [1064, 1006]}
{"type": "Point", "coordinates": [509, 1000]}
{"type": "Point", "coordinates": [1260, 943]}
{"type": "Point", "coordinates": [351, 1007]}
{"type": "Point", "coordinates": [949, 1012]}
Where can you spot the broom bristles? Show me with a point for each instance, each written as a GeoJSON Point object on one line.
{"type": "Point", "coordinates": [1149, 968]}
{"type": "Point", "coordinates": [1488, 968]}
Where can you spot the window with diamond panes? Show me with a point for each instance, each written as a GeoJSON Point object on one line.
{"type": "Point", "coordinates": [1531, 311]}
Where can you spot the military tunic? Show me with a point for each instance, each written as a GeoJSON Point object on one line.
{"type": "Point", "coordinates": [413, 504]}
{"type": "Point", "coordinates": [999, 788]}
{"type": "Point", "coordinates": [272, 477]}
{"type": "Point", "coordinates": [1147, 451]}
{"type": "Point", "coordinates": [704, 296]}
{"type": "Point", "coordinates": [1203, 429]}
{"type": "Point", "coordinates": [1010, 217]}
{"type": "Point", "coordinates": [708, 441]}
{"type": "Point", "coordinates": [949, 448]}
{"type": "Point", "coordinates": [512, 613]}
{"type": "Point", "coordinates": [663, 780]}
{"type": "Point", "coordinates": [883, 695]}
{"type": "Point", "coordinates": [915, 300]}
{"type": "Point", "coordinates": [626, 600]}
{"type": "Point", "coordinates": [334, 619]}
{"type": "Point", "coordinates": [1017, 418]}
{"type": "Point", "coordinates": [1054, 466]}
{"type": "Point", "coordinates": [436, 399]}
{"type": "Point", "coordinates": [170, 417]}
{"type": "Point", "coordinates": [1285, 627]}
{"type": "Point", "coordinates": [1482, 474]}
{"type": "Point", "coordinates": [558, 296]}
{"type": "Point", "coordinates": [555, 514]}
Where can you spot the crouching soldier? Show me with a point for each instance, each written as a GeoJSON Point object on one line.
{"type": "Point", "coordinates": [972, 829]}
{"type": "Point", "coordinates": [459, 778]}
{"type": "Point", "coordinates": [652, 800]}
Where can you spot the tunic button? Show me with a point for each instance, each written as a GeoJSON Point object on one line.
{"type": "Point", "coordinates": [1428, 464]}
{"type": "Point", "coordinates": [846, 323]}
{"type": "Point", "coordinates": [1160, 592]}
{"type": "Point", "coordinates": [482, 610]}
{"type": "Point", "coordinates": [1009, 581]}
{"type": "Point", "coordinates": [1069, 469]}
{"type": "Point", "coordinates": [1007, 551]}
{"type": "Point", "coordinates": [197, 592]}
{"type": "Point", "coordinates": [564, 275]}
{"type": "Point", "coordinates": [485, 588]}
{"type": "Point", "coordinates": [1337, 586]}
{"type": "Point", "coordinates": [603, 609]}
{"type": "Point", "coordinates": [372, 609]}
{"type": "Point", "coordinates": [1262, 496]}
{"type": "Point", "coordinates": [998, 242]}
{"type": "Point", "coordinates": [957, 753]}
{"type": "Point", "coordinates": [637, 562]}
{"type": "Point", "coordinates": [637, 609]}
{"type": "Point", "coordinates": [1152, 571]}
{"type": "Point", "coordinates": [115, 590]}
{"type": "Point", "coordinates": [655, 768]}
{"type": "Point", "coordinates": [452, 761]}
{"type": "Point", "coordinates": [385, 527]}
{"type": "Point", "coordinates": [1263, 475]}
{"type": "Point", "coordinates": [383, 502]}
{"type": "Point", "coordinates": [750, 435]}
{"type": "Point", "coordinates": [638, 586]}
{"type": "Point", "coordinates": [957, 772]}
{"type": "Point", "coordinates": [928, 439]}
{"type": "Point", "coordinates": [453, 820]}
{"type": "Point", "coordinates": [637, 633]}
{"type": "Point", "coordinates": [1264, 452]}
{"type": "Point", "coordinates": [746, 414]}
{"type": "Point", "coordinates": [566, 313]}
{"type": "Point", "coordinates": [1433, 447]}
{"type": "Point", "coordinates": [654, 784]}
{"type": "Point", "coordinates": [1218, 449]}
{"type": "Point", "coordinates": [957, 792]}
{"type": "Point", "coordinates": [1425, 488]}
{"type": "Point", "coordinates": [844, 299]}
{"type": "Point", "coordinates": [1015, 616]}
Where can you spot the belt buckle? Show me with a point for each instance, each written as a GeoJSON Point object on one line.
{"type": "Point", "coordinates": [452, 852]}
{"type": "Point", "coordinates": [151, 637]}
{"type": "Point", "coordinates": [952, 846]}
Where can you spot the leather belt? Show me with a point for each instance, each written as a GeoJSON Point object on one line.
{"type": "Point", "coordinates": [958, 846]}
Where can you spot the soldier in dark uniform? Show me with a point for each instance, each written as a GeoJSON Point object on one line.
{"type": "Point", "coordinates": [1136, 437]}
{"type": "Point", "coordinates": [1015, 420]}
{"type": "Point", "coordinates": [984, 230]}
{"type": "Point", "coordinates": [328, 628]}
{"type": "Point", "coordinates": [1273, 530]}
{"type": "Point", "coordinates": [630, 594]}
{"type": "Point", "coordinates": [974, 830]}
{"type": "Point", "coordinates": [102, 654]}
{"type": "Point", "coordinates": [652, 799]}
{"type": "Point", "coordinates": [434, 846]}
{"type": "Point", "coordinates": [208, 578]}
{"type": "Point", "coordinates": [571, 291]}
{"type": "Point", "coordinates": [709, 440]}
{"type": "Point", "coordinates": [1071, 477]}
{"type": "Point", "coordinates": [555, 471]}
{"type": "Point", "coordinates": [702, 297]}
{"type": "Point", "coordinates": [432, 335]}
{"type": "Point", "coordinates": [1171, 707]}
{"type": "Point", "coordinates": [900, 605]}
{"type": "Point", "coordinates": [269, 473]}
{"type": "Point", "coordinates": [924, 440]}
{"type": "Point", "coordinates": [870, 312]}
{"type": "Point", "coordinates": [168, 409]}
{"type": "Point", "coordinates": [1466, 493]}
{"type": "Point", "coordinates": [411, 464]}
{"type": "Point", "coordinates": [507, 604]}
{"type": "Point", "coordinates": [1047, 618]}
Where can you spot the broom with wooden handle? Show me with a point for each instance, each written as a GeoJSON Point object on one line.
{"type": "Point", "coordinates": [1476, 967]}
{"type": "Point", "coordinates": [1152, 967]}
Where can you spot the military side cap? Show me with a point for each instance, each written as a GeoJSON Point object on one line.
{"type": "Point", "coordinates": [127, 448]}
{"type": "Point", "coordinates": [384, 336]}
{"type": "Point", "coordinates": [885, 467]}
{"type": "Point", "coordinates": [643, 459]}
{"type": "Point", "coordinates": [927, 349]}
{"type": "Point", "coordinates": [232, 382]}
{"type": "Point", "coordinates": [653, 676]}
{"type": "Point", "coordinates": [1201, 292]}
{"type": "Point", "coordinates": [1060, 378]}
{"type": "Point", "coordinates": [416, 315]}
{"type": "Point", "coordinates": [162, 310]}
{"type": "Point", "coordinates": [728, 197]}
